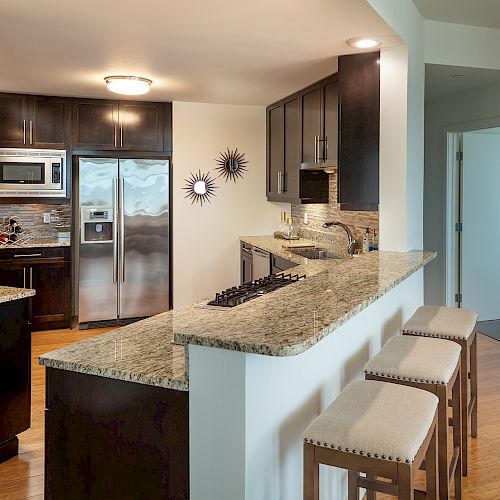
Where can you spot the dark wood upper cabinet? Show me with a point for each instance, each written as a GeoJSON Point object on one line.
{"type": "Point", "coordinates": [283, 154]}
{"type": "Point", "coordinates": [359, 97]}
{"type": "Point", "coordinates": [49, 122]}
{"type": "Point", "coordinates": [141, 126]}
{"type": "Point", "coordinates": [30, 121]}
{"type": "Point", "coordinates": [95, 124]}
{"type": "Point", "coordinates": [14, 121]}
{"type": "Point", "coordinates": [121, 125]}
{"type": "Point", "coordinates": [311, 126]}
{"type": "Point", "coordinates": [275, 152]}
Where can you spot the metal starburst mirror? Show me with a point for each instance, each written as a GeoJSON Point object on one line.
{"type": "Point", "coordinates": [231, 164]}
{"type": "Point", "coordinates": [200, 187]}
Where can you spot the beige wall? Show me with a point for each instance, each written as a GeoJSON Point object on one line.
{"type": "Point", "coordinates": [205, 239]}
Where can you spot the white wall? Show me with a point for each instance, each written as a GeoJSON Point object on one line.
{"type": "Point", "coordinates": [205, 239]}
{"type": "Point", "coordinates": [476, 109]}
{"type": "Point", "coordinates": [402, 128]}
{"type": "Point", "coordinates": [248, 412]}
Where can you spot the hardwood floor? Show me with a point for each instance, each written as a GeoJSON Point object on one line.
{"type": "Point", "coordinates": [21, 477]}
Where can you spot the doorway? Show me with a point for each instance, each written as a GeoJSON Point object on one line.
{"type": "Point", "coordinates": [473, 271]}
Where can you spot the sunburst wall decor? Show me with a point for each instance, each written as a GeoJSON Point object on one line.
{"type": "Point", "coordinates": [200, 187]}
{"type": "Point", "coordinates": [231, 164]}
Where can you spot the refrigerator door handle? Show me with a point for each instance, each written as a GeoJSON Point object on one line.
{"type": "Point", "coordinates": [115, 230]}
{"type": "Point", "coordinates": [122, 231]}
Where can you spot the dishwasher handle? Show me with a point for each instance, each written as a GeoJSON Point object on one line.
{"type": "Point", "coordinates": [261, 253]}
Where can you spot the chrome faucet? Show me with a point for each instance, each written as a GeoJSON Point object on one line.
{"type": "Point", "coordinates": [350, 237]}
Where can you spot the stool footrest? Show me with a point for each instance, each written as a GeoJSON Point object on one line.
{"type": "Point", "coordinates": [376, 485]}
{"type": "Point", "coordinates": [472, 402]}
{"type": "Point", "coordinates": [453, 463]}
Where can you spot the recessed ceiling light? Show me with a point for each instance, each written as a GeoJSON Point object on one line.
{"type": "Point", "coordinates": [129, 85]}
{"type": "Point", "coordinates": [364, 43]}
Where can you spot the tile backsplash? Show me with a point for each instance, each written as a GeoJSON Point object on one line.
{"type": "Point", "coordinates": [30, 216]}
{"type": "Point", "coordinates": [320, 213]}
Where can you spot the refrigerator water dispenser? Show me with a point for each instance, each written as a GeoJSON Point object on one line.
{"type": "Point", "coordinates": [97, 225]}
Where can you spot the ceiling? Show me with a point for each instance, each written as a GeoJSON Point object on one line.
{"type": "Point", "coordinates": [445, 81]}
{"type": "Point", "coordinates": [484, 13]}
{"type": "Point", "coordinates": [222, 51]}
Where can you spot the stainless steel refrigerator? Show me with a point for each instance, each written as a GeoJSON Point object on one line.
{"type": "Point", "coordinates": [124, 238]}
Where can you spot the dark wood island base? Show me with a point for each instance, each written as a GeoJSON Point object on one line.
{"type": "Point", "coordinates": [9, 449]}
{"type": "Point", "coordinates": [107, 438]}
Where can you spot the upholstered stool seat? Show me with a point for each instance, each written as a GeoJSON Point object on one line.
{"type": "Point", "coordinates": [416, 359]}
{"type": "Point", "coordinates": [433, 365]}
{"type": "Point", "coordinates": [385, 430]}
{"type": "Point", "coordinates": [458, 325]}
{"type": "Point", "coordinates": [441, 322]}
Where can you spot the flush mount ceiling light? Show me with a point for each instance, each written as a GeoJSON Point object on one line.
{"type": "Point", "coordinates": [364, 43]}
{"type": "Point", "coordinates": [129, 85]}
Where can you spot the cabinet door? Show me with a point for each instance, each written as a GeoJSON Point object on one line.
{"type": "Point", "coordinates": [12, 275]}
{"type": "Point", "coordinates": [13, 120]}
{"type": "Point", "coordinates": [311, 122]}
{"type": "Point", "coordinates": [359, 94]}
{"type": "Point", "coordinates": [51, 304]}
{"type": "Point", "coordinates": [95, 124]}
{"type": "Point", "coordinates": [246, 263]}
{"type": "Point", "coordinates": [49, 122]}
{"type": "Point", "coordinates": [141, 126]}
{"type": "Point", "coordinates": [292, 150]}
{"type": "Point", "coordinates": [275, 152]}
{"type": "Point", "coordinates": [331, 121]}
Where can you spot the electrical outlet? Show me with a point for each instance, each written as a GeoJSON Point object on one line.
{"type": "Point", "coordinates": [306, 218]}
{"type": "Point", "coordinates": [46, 218]}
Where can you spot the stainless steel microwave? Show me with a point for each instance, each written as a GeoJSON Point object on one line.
{"type": "Point", "coordinates": [38, 173]}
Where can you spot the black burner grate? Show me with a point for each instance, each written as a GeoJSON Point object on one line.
{"type": "Point", "coordinates": [248, 291]}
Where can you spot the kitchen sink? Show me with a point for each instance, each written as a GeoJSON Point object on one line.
{"type": "Point", "coordinates": [315, 253]}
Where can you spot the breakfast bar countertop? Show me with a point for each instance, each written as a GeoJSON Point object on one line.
{"type": "Point", "coordinates": [285, 322]}
{"type": "Point", "coordinates": [9, 293]}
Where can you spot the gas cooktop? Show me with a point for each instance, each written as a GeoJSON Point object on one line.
{"type": "Point", "coordinates": [251, 290]}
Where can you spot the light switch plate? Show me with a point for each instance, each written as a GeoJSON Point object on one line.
{"type": "Point", "coordinates": [46, 218]}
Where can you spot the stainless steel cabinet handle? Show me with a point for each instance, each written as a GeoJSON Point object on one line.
{"type": "Point", "coordinates": [24, 131]}
{"type": "Point", "coordinates": [28, 255]}
{"type": "Point", "coordinates": [31, 132]}
{"type": "Point", "coordinates": [121, 135]}
{"type": "Point", "coordinates": [115, 230]}
{"type": "Point", "coordinates": [122, 232]}
{"type": "Point", "coordinates": [247, 250]}
{"type": "Point", "coordinates": [316, 143]}
{"type": "Point", "coordinates": [31, 277]}
{"type": "Point", "coordinates": [279, 183]}
{"type": "Point", "coordinates": [116, 135]}
{"type": "Point", "coordinates": [24, 277]}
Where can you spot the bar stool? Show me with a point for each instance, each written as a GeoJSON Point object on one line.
{"type": "Point", "coordinates": [458, 325]}
{"type": "Point", "coordinates": [383, 430]}
{"type": "Point", "coordinates": [432, 365]}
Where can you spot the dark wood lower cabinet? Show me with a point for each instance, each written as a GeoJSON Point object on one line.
{"type": "Point", "coordinates": [48, 271]}
{"type": "Point", "coordinates": [15, 374]}
{"type": "Point", "coordinates": [107, 438]}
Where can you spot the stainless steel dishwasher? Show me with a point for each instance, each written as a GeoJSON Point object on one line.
{"type": "Point", "coordinates": [261, 263]}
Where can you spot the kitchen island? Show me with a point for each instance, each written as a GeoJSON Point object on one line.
{"type": "Point", "coordinates": [257, 374]}
{"type": "Point", "coordinates": [15, 367]}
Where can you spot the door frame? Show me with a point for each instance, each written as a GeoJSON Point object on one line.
{"type": "Point", "coordinates": [453, 202]}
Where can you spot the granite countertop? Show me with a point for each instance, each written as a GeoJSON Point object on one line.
{"type": "Point", "coordinates": [141, 352]}
{"type": "Point", "coordinates": [38, 243]}
{"type": "Point", "coordinates": [9, 293]}
{"type": "Point", "coordinates": [285, 322]}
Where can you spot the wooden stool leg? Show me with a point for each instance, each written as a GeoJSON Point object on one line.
{"type": "Point", "coordinates": [352, 481]}
{"type": "Point", "coordinates": [442, 432]}
{"type": "Point", "coordinates": [457, 434]}
{"type": "Point", "coordinates": [473, 385]}
{"type": "Point", "coordinates": [405, 482]}
{"type": "Point", "coordinates": [370, 494]}
{"type": "Point", "coordinates": [431, 467]}
{"type": "Point", "coordinates": [311, 474]}
{"type": "Point", "coordinates": [464, 368]}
